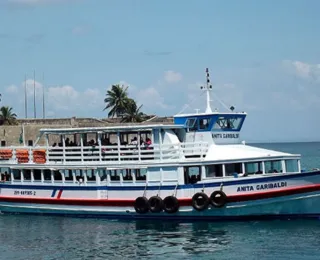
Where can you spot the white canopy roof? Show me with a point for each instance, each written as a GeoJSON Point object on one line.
{"type": "Point", "coordinates": [241, 152]}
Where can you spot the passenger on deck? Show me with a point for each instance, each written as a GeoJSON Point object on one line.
{"type": "Point", "coordinates": [148, 143]}
{"type": "Point", "coordinates": [134, 141]}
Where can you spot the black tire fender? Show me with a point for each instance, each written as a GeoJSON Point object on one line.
{"type": "Point", "coordinates": [200, 201]}
{"type": "Point", "coordinates": [218, 199]}
{"type": "Point", "coordinates": [141, 205]}
{"type": "Point", "coordinates": [155, 204]}
{"type": "Point", "coordinates": [170, 204]}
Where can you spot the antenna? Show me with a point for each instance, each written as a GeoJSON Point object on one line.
{"type": "Point", "coordinates": [34, 93]}
{"type": "Point", "coordinates": [43, 107]}
{"type": "Point", "coordinates": [25, 96]}
{"type": "Point", "coordinates": [208, 88]}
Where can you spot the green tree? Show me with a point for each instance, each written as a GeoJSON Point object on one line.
{"type": "Point", "coordinates": [132, 112]}
{"type": "Point", "coordinates": [7, 117]}
{"type": "Point", "coordinates": [116, 100]}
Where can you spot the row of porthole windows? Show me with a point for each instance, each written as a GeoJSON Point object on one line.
{"type": "Point", "coordinates": [79, 175]}
{"type": "Point", "coordinates": [193, 173]}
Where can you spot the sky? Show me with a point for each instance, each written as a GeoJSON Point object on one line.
{"type": "Point", "coordinates": [263, 57]}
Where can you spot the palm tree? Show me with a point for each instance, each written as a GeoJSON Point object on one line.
{"type": "Point", "coordinates": [7, 117]}
{"type": "Point", "coordinates": [132, 112]}
{"type": "Point", "coordinates": [116, 100]}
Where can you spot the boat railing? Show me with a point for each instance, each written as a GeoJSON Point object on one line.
{"type": "Point", "coordinates": [103, 153]}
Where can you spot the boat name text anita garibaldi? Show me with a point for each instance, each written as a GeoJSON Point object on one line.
{"type": "Point", "coordinates": [262, 186]}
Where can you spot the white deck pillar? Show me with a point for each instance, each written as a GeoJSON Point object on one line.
{"type": "Point", "coordinates": [22, 175]}
{"type": "Point", "coordinates": [139, 146]}
{"type": "Point", "coordinates": [283, 166]}
{"type": "Point", "coordinates": [299, 165]}
{"type": "Point", "coordinates": [64, 148]}
{"type": "Point", "coordinates": [52, 177]}
{"type": "Point", "coordinates": [81, 147]}
{"type": "Point", "coordinates": [47, 148]}
{"type": "Point", "coordinates": [118, 145]}
{"type": "Point", "coordinates": [42, 176]}
{"type": "Point", "coordinates": [32, 175]}
{"type": "Point", "coordinates": [99, 144]}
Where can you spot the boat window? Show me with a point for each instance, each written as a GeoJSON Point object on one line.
{"type": "Point", "coordinates": [68, 175]}
{"type": "Point", "coordinates": [126, 174]}
{"type": "Point", "coordinates": [47, 175]}
{"type": "Point", "coordinates": [228, 123]}
{"type": "Point", "coordinates": [253, 168]}
{"type": "Point", "coordinates": [103, 174]}
{"type": "Point", "coordinates": [214, 170]}
{"type": "Point", "coordinates": [37, 175]}
{"type": "Point", "coordinates": [232, 168]}
{"type": "Point", "coordinates": [292, 165]}
{"type": "Point", "coordinates": [204, 123]}
{"type": "Point", "coordinates": [141, 174]}
{"type": "Point", "coordinates": [57, 175]}
{"type": "Point", "coordinates": [90, 175]}
{"type": "Point", "coordinates": [27, 175]}
{"type": "Point", "coordinates": [191, 124]}
{"type": "Point", "coordinates": [273, 166]}
{"type": "Point", "coordinates": [114, 175]}
{"type": "Point", "coordinates": [16, 174]}
{"type": "Point", "coordinates": [192, 174]}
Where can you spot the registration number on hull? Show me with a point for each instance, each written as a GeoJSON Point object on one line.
{"type": "Point", "coordinates": [24, 192]}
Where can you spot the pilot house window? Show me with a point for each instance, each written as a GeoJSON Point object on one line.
{"type": "Point", "coordinates": [191, 124]}
{"type": "Point", "coordinates": [228, 123]}
{"type": "Point", "coordinates": [204, 123]}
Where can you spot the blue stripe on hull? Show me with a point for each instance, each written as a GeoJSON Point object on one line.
{"type": "Point", "coordinates": [238, 181]}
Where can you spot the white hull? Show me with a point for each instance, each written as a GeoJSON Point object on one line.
{"type": "Point", "coordinates": [299, 197]}
{"type": "Point", "coordinates": [303, 205]}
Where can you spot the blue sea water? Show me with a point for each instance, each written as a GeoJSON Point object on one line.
{"type": "Point", "coordinates": [40, 237]}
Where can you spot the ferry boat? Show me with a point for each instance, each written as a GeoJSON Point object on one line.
{"type": "Point", "coordinates": [197, 168]}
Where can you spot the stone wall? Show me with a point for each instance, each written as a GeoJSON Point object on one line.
{"type": "Point", "coordinates": [10, 134]}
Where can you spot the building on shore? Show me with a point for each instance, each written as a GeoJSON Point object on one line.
{"type": "Point", "coordinates": [26, 131]}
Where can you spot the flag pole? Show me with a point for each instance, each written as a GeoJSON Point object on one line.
{"type": "Point", "coordinates": [23, 137]}
{"type": "Point", "coordinates": [25, 96]}
{"type": "Point", "coordinates": [34, 93]}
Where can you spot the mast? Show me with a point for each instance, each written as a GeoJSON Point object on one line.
{"type": "Point", "coordinates": [43, 104]}
{"type": "Point", "coordinates": [208, 88]}
{"type": "Point", "coordinates": [34, 94]}
{"type": "Point", "coordinates": [25, 96]}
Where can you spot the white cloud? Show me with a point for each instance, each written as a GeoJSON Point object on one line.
{"type": "Point", "coordinates": [61, 101]}
{"type": "Point", "coordinates": [12, 89]}
{"type": "Point", "coordinates": [151, 99]}
{"type": "Point", "coordinates": [303, 70]}
{"type": "Point", "coordinates": [171, 76]}
{"type": "Point", "coordinates": [68, 99]}
{"type": "Point", "coordinates": [32, 85]}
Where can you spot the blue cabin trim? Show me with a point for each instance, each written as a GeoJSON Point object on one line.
{"type": "Point", "coordinates": [207, 122]}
